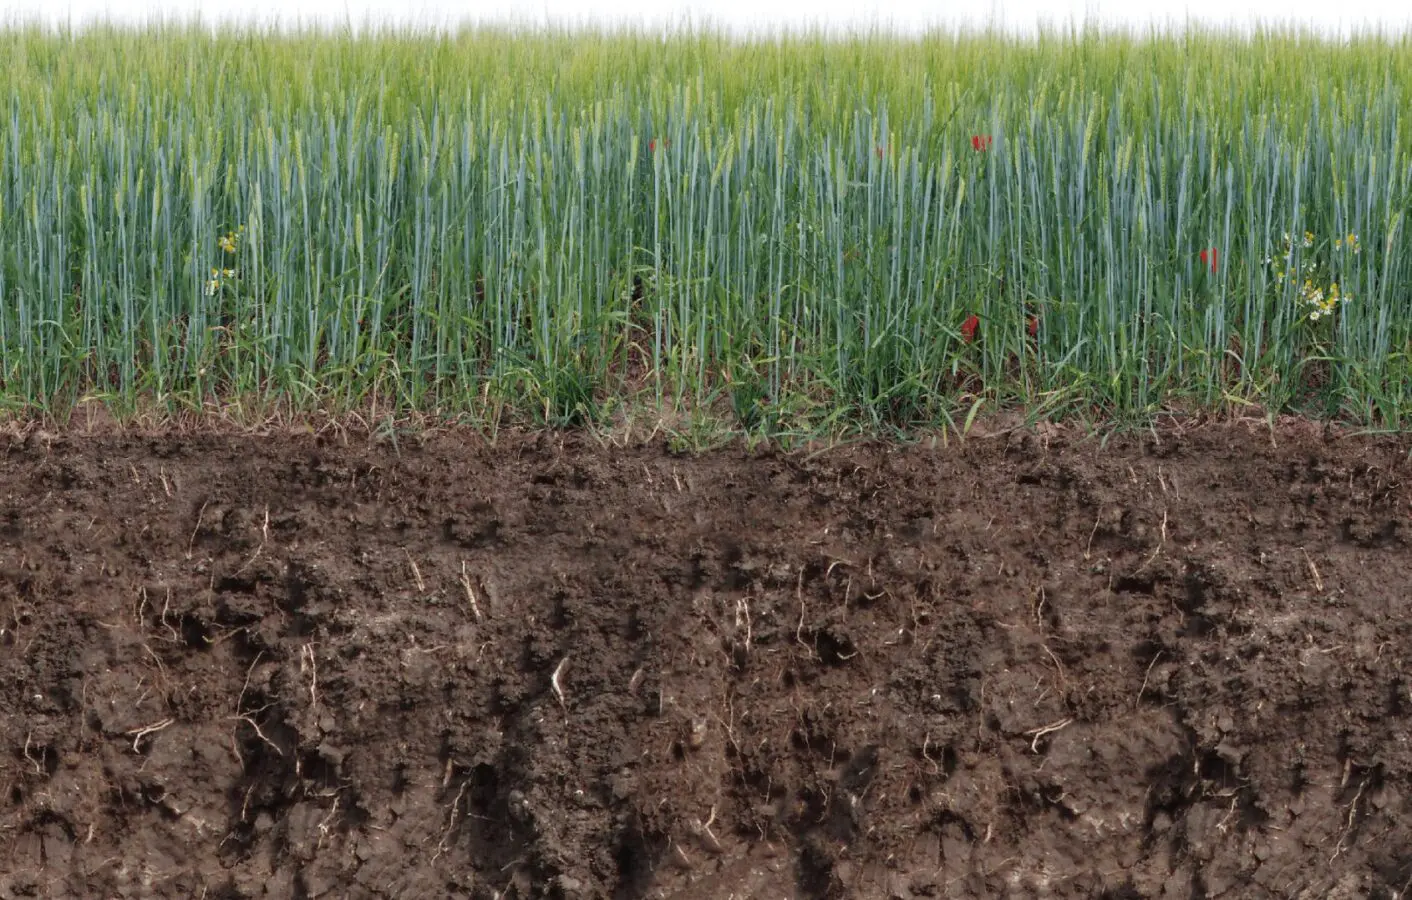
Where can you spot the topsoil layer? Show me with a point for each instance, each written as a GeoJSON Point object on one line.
{"type": "Point", "coordinates": [1029, 666]}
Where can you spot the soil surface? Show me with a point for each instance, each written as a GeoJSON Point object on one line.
{"type": "Point", "coordinates": [1029, 665]}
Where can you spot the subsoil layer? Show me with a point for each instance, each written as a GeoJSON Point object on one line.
{"type": "Point", "coordinates": [1026, 665]}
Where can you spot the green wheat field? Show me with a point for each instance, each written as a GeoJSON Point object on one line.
{"type": "Point", "coordinates": [784, 236]}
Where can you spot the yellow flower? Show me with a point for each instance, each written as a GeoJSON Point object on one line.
{"type": "Point", "coordinates": [230, 241]}
{"type": "Point", "coordinates": [1308, 238]}
{"type": "Point", "coordinates": [215, 283]}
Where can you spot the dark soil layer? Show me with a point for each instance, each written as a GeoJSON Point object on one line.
{"type": "Point", "coordinates": [1028, 666]}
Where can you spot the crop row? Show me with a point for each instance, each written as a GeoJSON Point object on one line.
{"type": "Point", "coordinates": [1094, 222]}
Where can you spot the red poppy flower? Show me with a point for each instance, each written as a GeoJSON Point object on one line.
{"type": "Point", "coordinates": [969, 327]}
{"type": "Point", "coordinates": [1032, 326]}
{"type": "Point", "coordinates": [980, 142]}
{"type": "Point", "coordinates": [881, 151]}
{"type": "Point", "coordinates": [652, 144]}
{"type": "Point", "coordinates": [1208, 256]}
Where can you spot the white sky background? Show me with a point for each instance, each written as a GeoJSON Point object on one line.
{"type": "Point", "coordinates": [1332, 16]}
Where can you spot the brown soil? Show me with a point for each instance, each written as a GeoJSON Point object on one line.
{"type": "Point", "coordinates": [1029, 666]}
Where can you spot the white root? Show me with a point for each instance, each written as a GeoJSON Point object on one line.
{"type": "Point", "coordinates": [416, 572]}
{"type": "Point", "coordinates": [556, 683]}
{"type": "Point", "coordinates": [308, 662]}
{"type": "Point", "coordinates": [139, 733]}
{"type": "Point", "coordinates": [1038, 733]}
{"type": "Point", "coordinates": [470, 592]}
